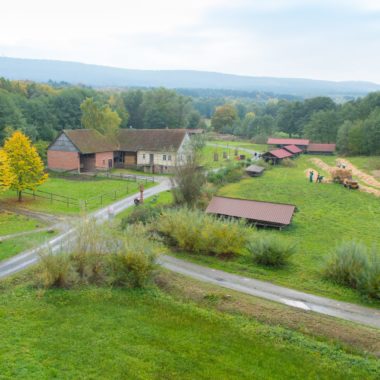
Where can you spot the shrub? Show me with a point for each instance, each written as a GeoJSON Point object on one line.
{"type": "Point", "coordinates": [197, 232]}
{"type": "Point", "coordinates": [98, 256]}
{"type": "Point", "coordinates": [352, 265]}
{"type": "Point", "coordinates": [141, 214]}
{"type": "Point", "coordinates": [288, 163]}
{"type": "Point", "coordinates": [229, 174]}
{"type": "Point", "coordinates": [133, 264]}
{"type": "Point", "coordinates": [347, 264]}
{"type": "Point", "coordinates": [56, 271]}
{"type": "Point", "coordinates": [369, 279]}
{"type": "Point", "coordinates": [270, 251]}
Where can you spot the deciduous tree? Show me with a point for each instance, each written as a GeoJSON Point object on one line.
{"type": "Point", "coordinates": [26, 167]}
{"type": "Point", "coordinates": [6, 176]}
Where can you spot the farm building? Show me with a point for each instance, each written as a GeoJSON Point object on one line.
{"type": "Point", "coordinates": [260, 213]}
{"type": "Point", "coordinates": [276, 156]}
{"type": "Point", "coordinates": [321, 148]}
{"type": "Point", "coordinates": [153, 150]}
{"type": "Point", "coordinates": [254, 170]}
{"type": "Point", "coordinates": [281, 143]}
{"type": "Point", "coordinates": [293, 149]}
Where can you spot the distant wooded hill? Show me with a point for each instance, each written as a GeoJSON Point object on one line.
{"type": "Point", "coordinates": [103, 76]}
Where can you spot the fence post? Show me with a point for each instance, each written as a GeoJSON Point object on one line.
{"type": "Point", "coordinates": [51, 197]}
{"type": "Point", "coordinates": [34, 195]}
{"type": "Point", "coordinates": [68, 202]}
{"type": "Point", "coordinates": [114, 195]}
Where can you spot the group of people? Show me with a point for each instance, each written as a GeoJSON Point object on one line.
{"type": "Point", "coordinates": [319, 177]}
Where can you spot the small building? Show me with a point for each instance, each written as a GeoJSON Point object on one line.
{"type": "Point", "coordinates": [280, 143]}
{"type": "Point", "coordinates": [321, 148]}
{"type": "Point", "coordinates": [260, 213]}
{"type": "Point", "coordinates": [152, 150]}
{"type": "Point", "coordinates": [82, 150]}
{"type": "Point", "coordinates": [276, 156]}
{"type": "Point", "coordinates": [254, 170]}
{"type": "Point", "coordinates": [293, 149]}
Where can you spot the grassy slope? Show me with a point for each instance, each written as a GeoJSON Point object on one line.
{"type": "Point", "coordinates": [328, 214]}
{"type": "Point", "coordinates": [78, 189]}
{"type": "Point", "coordinates": [148, 335]}
{"type": "Point", "coordinates": [11, 223]}
{"type": "Point", "coordinates": [11, 247]}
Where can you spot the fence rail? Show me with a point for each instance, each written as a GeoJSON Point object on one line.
{"type": "Point", "coordinates": [81, 204]}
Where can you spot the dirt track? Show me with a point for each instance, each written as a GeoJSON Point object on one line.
{"type": "Point", "coordinates": [366, 189]}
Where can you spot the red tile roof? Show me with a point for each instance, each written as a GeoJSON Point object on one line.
{"type": "Point", "coordinates": [280, 153]}
{"type": "Point", "coordinates": [276, 141]}
{"type": "Point", "coordinates": [278, 214]}
{"type": "Point", "coordinates": [293, 149]}
{"type": "Point", "coordinates": [328, 148]}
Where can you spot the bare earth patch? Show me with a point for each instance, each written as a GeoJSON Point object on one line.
{"type": "Point", "coordinates": [369, 179]}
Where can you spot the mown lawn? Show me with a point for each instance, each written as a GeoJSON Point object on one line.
{"type": "Point", "coordinates": [242, 144]}
{"type": "Point", "coordinates": [11, 223]}
{"type": "Point", "coordinates": [11, 247]}
{"type": "Point", "coordinates": [99, 333]}
{"type": "Point", "coordinates": [327, 215]}
{"type": "Point", "coordinates": [81, 189]}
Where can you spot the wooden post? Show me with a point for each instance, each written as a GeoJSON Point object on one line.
{"type": "Point", "coordinates": [51, 197]}
{"type": "Point", "coordinates": [114, 195]}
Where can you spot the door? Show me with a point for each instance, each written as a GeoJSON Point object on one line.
{"type": "Point", "coordinates": [151, 159]}
{"type": "Point", "coordinates": [110, 163]}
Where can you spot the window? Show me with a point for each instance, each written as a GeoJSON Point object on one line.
{"type": "Point", "coordinates": [143, 156]}
{"type": "Point", "coordinates": [169, 157]}
{"type": "Point", "coordinates": [164, 157]}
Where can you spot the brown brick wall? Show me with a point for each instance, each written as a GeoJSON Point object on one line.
{"type": "Point", "coordinates": [62, 160]}
{"type": "Point", "coordinates": [104, 156]}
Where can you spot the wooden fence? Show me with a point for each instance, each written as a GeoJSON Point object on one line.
{"type": "Point", "coordinates": [81, 204]}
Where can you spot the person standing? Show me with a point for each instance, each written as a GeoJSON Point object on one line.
{"type": "Point", "coordinates": [311, 176]}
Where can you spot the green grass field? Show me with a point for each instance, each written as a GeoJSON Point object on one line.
{"type": "Point", "coordinates": [102, 333]}
{"type": "Point", "coordinates": [11, 223]}
{"type": "Point", "coordinates": [207, 157]}
{"type": "Point", "coordinates": [327, 215]}
{"type": "Point", "coordinates": [85, 188]}
{"type": "Point", "coordinates": [242, 144]}
{"type": "Point", "coordinates": [11, 247]}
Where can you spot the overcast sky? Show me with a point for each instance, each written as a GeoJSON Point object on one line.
{"type": "Point", "coordinates": [319, 39]}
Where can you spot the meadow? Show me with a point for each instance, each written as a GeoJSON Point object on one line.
{"type": "Point", "coordinates": [327, 214]}
{"type": "Point", "coordinates": [78, 188]}
{"type": "Point", "coordinates": [94, 332]}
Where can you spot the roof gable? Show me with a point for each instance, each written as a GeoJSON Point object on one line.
{"type": "Point", "coordinates": [279, 153]}
{"type": "Point", "coordinates": [293, 149]}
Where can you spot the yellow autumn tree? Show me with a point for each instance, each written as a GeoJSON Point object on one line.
{"type": "Point", "coordinates": [6, 176]}
{"type": "Point", "coordinates": [26, 166]}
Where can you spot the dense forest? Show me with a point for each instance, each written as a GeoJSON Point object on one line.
{"type": "Point", "coordinates": [42, 110]}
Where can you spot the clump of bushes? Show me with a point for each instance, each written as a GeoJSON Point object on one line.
{"type": "Point", "coordinates": [196, 232]}
{"type": "Point", "coordinates": [144, 213]}
{"type": "Point", "coordinates": [288, 163]}
{"type": "Point", "coordinates": [99, 256]}
{"type": "Point", "coordinates": [230, 173]}
{"type": "Point", "coordinates": [352, 265]}
{"type": "Point", "coordinates": [270, 251]}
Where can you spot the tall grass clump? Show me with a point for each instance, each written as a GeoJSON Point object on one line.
{"type": "Point", "coordinates": [144, 213]}
{"type": "Point", "coordinates": [100, 256]}
{"type": "Point", "coordinates": [270, 251]}
{"type": "Point", "coordinates": [354, 266]}
{"type": "Point", "coordinates": [346, 265]}
{"type": "Point", "coordinates": [196, 232]}
{"type": "Point", "coordinates": [231, 173]}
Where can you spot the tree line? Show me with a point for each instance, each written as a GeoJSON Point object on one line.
{"type": "Point", "coordinates": [41, 111]}
{"type": "Point", "coordinates": [354, 126]}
